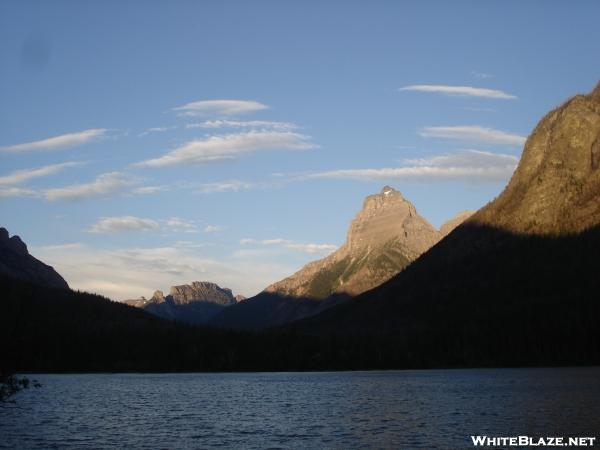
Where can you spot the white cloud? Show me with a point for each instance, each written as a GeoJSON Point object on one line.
{"type": "Point", "coordinates": [147, 131]}
{"type": "Point", "coordinates": [106, 183]}
{"type": "Point", "coordinates": [226, 186]}
{"type": "Point", "coordinates": [230, 146]}
{"type": "Point", "coordinates": [57, 142]}
{"type": "Point", "coordinates": [212, 229]}
{"type": "Point", "coordinates": [292, 245]}
{"type": "Point", "coordinates": [467, 165]}
{"type": "Point", "coordinates": [220, 107]}
{"type": "Point", "coordinates": [132, 272]}
{"type": "Point", "coordinates": [212, 124]}
{"type": "Point", "coordinates": [468, 91]}
{"type": "Point", "coordinates": [125, 223]}
{"type": "Point", "coordinates": [20, 176]}
{"type": "Point", "coordinates": [149, 189]}
{"type": "Point", "coordinates": [16, 192]}
{"type": "Point", "coordinates": [474, 133]}
{"type": "Point", "coordinates": [68, 246]}
{"type": "Point", "coordinates": [178, 224]}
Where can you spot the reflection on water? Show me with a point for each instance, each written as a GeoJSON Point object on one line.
{"type": "Point", "coordinates": [404, 409]}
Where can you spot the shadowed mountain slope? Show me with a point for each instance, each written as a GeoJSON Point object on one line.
{"type": "Point", "coordinates": [518, 278]}
{"type": "Point", "coordinates": [15, 261]}
{"type": "Point", "coordinates": [384, 237]}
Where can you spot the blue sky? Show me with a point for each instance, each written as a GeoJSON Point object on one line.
{"type": "Point", "coordinates": [145, 144]}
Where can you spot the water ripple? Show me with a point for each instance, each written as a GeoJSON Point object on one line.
{"type": "Point", "coordinates": [404, 409]}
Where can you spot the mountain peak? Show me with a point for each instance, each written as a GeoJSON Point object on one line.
{"type": "Point", "coordinates": [389, 216]}
{"type": "Point", "coordinates": [201, 291]}
{"type": "Point", "coordinates": [15, 261]}
{"type": "Point", "coordinates": [385, 235]}
{"type": "Point", "coordinates": [388, 190]}
{"type": "Point", "coordinates": [194, 303]}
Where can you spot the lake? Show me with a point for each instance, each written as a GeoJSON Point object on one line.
{"type": "Point", "coordinates": [391, 409]}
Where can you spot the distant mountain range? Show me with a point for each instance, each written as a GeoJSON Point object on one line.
{"type": "Point", "coordinates": [15, 261]}
{"type": "Point", "coordinates": [384, 237]}
{"type": "Point", "coordinates": [194, 303]}
{"type": "Point", "coordinates": [515, 284]}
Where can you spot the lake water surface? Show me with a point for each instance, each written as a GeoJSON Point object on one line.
{"type": "Point", "coordinates": [398, 409]}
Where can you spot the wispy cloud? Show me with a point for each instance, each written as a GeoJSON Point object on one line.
{"type": "Point", "coordinates": [17, 192]}
{"type": "Point", "coordinates": [124, 223]}
{"type": "Point", "coordinates": [292, 245]}
{"type": "Point", "coordinates": [104, 184]}
{"type": "Point", "coordinates": [147, 131]}
{"type": "Point", "coordinates": [467, 165]}
{"type": "Point", "coordinates": [178, 224]}
{"type": "Point", "coordinates": [58, 142]}
{"type": "Point", "coordinates": [21, 176]}
{"type": "Point", "coordinates": [468, 91]}
{"type": "Point", "coordinates": [212, 124]}
{"type": "Point", "coordinates": [226, 186]}
{"type": "Point", "coordinates": [230, 146]}
{"type": "Point", "coordinates": [473, 133]}
{"type": "Point", "coordinates": [212, 229]}
{"type": "Point", "coordinates": [220, 108]}
{"type": "Point", "coordinates": [149, 190]}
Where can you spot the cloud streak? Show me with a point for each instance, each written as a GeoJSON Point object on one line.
{"type": "Point", "coordinates": [227, 186]}
{"type": "Point", "coordinates": [465, 91]}
{"type": "Point", "coordinates": [104, 184]}
{"type": "Point", "coordinates": [230, 146]}
{"type": "Point", "coordinates": [220, 108]}
{"type": "Point", "coordinates": [58, 142]}
{"type": "Point", "coordinates": [147, 131]}
{"type": "Point", "coordinates": [292, 245]}
{"type": "Point", "coordinates": [17, 192]}
{"type": "Point", "coordinates": [466, 165]}
{"type": "Point", "coordinates": [178, 224]}
{"type": "Point", "coordinates": [213, 124]}
{"type": "Point", "coordinates": [473, 133]}
{"type": "Point", "coordinates": [108, 225]}
{"type": "Point", "coordinates": [21, 176]}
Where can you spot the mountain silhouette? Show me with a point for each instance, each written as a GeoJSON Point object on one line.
{"type": "Point", "coordinates": [519, 278]}
{"type": "Point", "coordinates": [384, 237]}
{"type": "Point", "coordinates": [15, 261]}
{"type": "Point", "coordinates": [194, 303]}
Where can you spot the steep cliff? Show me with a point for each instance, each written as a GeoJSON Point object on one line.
{"type": "Point", "coordinates": [15, 261]}
{"type": "Point", "coordinates": [194, 303]}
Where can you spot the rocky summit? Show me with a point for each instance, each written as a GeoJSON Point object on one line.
{"type": "Point", "coordinates": [16, 262]}
{"type": "Point", "coordinates": [384, 238]}
{"type": "Point", "coordinates": [194, 303]}
{"type": "Point", "coordinates": [518, 280]}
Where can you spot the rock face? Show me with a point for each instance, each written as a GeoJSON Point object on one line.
{"type": "Point", "coordinates": [15, 261]}
{"type": "Point", "coordinates": [194, 303]}
{"type": "Point", "coordinates": [384, 237]}
{"type": "Point", "coordinates": [519, 274]}
{"type": "Point", "coordinates": [556, 186]}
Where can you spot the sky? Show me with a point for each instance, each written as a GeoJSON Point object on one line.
{"type": "Point", "coordinates": [145, 144]}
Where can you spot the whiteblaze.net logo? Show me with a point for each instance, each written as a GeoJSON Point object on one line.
{"type": "Point", "coordinates": [528, 441]}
